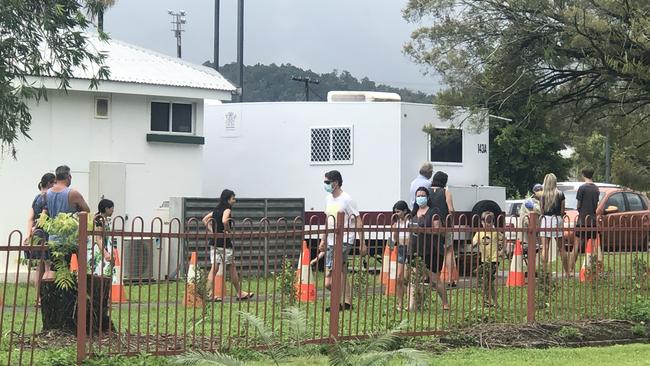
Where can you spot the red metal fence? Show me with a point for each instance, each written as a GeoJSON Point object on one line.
{"type": "Point", "coordinates": [165, 312]}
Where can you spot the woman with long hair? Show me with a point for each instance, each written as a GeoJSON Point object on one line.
{"type": "Point", "coordinates": [552, 205]}
{"type": "Point", "coordinates": [443, 205]}
{"type": "Point", "coordinates": [402, 240]}
{"type": "Point", "coordinates": [35, 235]}
{"type": "Point", "coordinates": [221, 250]}
{"type": "Point", "coordinates": [429, 247]}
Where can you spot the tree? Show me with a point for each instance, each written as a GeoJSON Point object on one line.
{"type": "Point", "coordinates": [272, 83]}
{"type": "Point", "coordinates": [39, 38]}
{"type": "Point", "coordinates": [588, 55]}
{"type": "Point", "coordinates": [559, 68]}
{"type": "Point", "coordinates": [96, 8]}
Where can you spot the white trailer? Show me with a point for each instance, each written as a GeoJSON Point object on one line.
{"type": "Point", "coordinates": [283, 150]}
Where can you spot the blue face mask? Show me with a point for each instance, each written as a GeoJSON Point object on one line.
{"type": "Point", "coordinates": [328, 188]}
{"type": "Point", "coordinates": [421, 201]}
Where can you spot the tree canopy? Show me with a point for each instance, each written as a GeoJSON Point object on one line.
{"type": "Point", "coordinates": [39, 38]}
{"type": "Point", "coordinates": [564, 70]}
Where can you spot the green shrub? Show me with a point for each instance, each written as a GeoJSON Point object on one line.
{"type": "Point", "coordinates": [287, 280]}
{"type": "Point", "coordinates": [569, 333]}
{"type": "Point", "coordinates": [639, 330]}
{"type": "Point", "coordinates": [636, 312]}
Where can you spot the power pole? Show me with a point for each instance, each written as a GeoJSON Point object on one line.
{"type": "Point", "coordinates": [217, 7]}
{"type": "Point", "coordinates": [240, 47]}
{"type": "Point", "coordinates": [178, 19]}
{"type": "Point", "coordinates": [307, 80]}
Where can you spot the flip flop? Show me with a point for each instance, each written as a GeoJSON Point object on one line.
{"type": "Point", "coordinates": [245, 297]}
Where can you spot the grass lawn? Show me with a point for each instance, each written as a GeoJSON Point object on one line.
{"type": "Point", "coordinates": [625, 355]}
{"type": "Point", "coordinates": [373, 311]}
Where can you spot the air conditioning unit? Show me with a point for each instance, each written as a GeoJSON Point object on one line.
{"type": "Point", "coordinates": [140, 258]}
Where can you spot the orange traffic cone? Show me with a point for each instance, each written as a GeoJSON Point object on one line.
{"type": "Point", "coordinates": [118, 295]}
{"type": "Point", "coordinates": [516, 274]}
{"type": "Point", "coordinates": [585, 271]}
{"type": "Point", "coordinates": [192, 298]}
{"type": "Point", "coordinates": [305, 286]}
{"type": "Point", "coordinates": [218, 288]}
{"type": "Point", "coordinates": [74, 263]}
{"type": "Point", "coordinates": [391, 283]}
{"type": "Point", "coordinates": [385, 266]}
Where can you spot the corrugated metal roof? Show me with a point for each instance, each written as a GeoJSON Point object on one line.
{"type": "Point", "coordinates": [133, 64]}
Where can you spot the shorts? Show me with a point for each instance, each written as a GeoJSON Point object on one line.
{"type": "Point", "coordinates": [224, 255]}
{"type": "Point", "coordinates": [39, 237]}
{"type": "Point", "coordinates": [551, 226]}
{"type": "Point", "coordinates": [403, 254]}
{"type": "Point", "coordinates": [329, 256]}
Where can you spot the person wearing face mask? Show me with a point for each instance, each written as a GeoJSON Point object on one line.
{"type": "Point", "coordinates": [338, 201]}
{"type": "Point", "coordinates": [429, 247]}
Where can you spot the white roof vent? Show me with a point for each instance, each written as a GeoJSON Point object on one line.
{"type": "Point", "coordinates": [362, 96]}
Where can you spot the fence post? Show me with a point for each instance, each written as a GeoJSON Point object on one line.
{"type": "Point", "coordinates": [81, 287]}
{"type": "Point", "coordinates": [336, 272]}
{"type": "Point", "coordinates": [532, 248]}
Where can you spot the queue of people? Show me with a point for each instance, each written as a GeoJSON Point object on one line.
{"type": "Point", "coordinates": [431, 207]}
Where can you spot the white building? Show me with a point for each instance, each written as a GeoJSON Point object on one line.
{"type": "Point", "coordinates": [137, 139]}
{"type": "Point", "coordinates": [283, 150]}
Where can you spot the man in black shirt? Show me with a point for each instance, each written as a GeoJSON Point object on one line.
{"type": "Point", "coordinates": [587, 198]}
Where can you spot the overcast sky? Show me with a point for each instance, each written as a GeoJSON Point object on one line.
{"type": "Point", "coordinates": [364, 37]}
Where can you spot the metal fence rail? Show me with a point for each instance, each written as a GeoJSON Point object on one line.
{"type": "Point", "coordinates": [164, 315]}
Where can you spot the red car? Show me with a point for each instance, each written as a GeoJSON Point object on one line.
{"type": "Point", "coordinates": [623, 218]}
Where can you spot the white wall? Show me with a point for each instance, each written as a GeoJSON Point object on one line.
{"type": "Point", "coordinates": [270, 154]}
{"type": "Point", "coordinates": [474, 170]}
{"type": "Point", "coordinates": [64, 131]}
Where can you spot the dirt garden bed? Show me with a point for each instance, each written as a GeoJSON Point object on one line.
{"type": "Point", "coordinates": [557, 334]}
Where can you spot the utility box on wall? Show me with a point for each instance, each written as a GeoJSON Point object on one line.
{"type": "Point", "coordinates": [107, 180]}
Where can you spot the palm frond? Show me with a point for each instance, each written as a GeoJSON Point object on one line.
{"type": "Point", "coordinates": [296, 321]}
{"type": "Point", "coordinates": [386, 340]}
{"type": "Point", "coordinates": [338, 357]}
{"type": "Point", "coordinates": [266, 335]}
{"type": "Point", "coordinates": [201, 358]}
{"type": "Point", "coordinates": [409, 355]}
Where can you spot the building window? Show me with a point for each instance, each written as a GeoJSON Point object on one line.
{"type": "Point", "coordinates": [101, 107]}
{"type": "Point", "coordinates": [446, 145]}
{"type": "Point", "coordinates": [171, 117]}
{"type": "Point", "coordinates": [331, 145]}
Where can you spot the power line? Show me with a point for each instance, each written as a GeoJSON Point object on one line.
{"type": "Point", "coordinates": [307, 80]}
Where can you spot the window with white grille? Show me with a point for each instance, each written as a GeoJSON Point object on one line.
{"type": "Point", "coordinates": [331, 145]}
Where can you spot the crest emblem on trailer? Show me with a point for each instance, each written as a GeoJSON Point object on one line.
{"type": "Point", "coordinates": [231, 121]}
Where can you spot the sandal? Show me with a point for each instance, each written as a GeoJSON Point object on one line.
{"type": "Point", "coordinates": [245, 297]}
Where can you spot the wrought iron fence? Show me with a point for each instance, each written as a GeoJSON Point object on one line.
{"type": "Point", "coordinates": [125, 307]}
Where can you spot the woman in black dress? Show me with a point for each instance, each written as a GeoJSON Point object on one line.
{"type": "Point", "coordinates": [429, 247]}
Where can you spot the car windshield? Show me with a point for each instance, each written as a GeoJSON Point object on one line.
{"type": "Point", "coordinates": [571, 202]}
